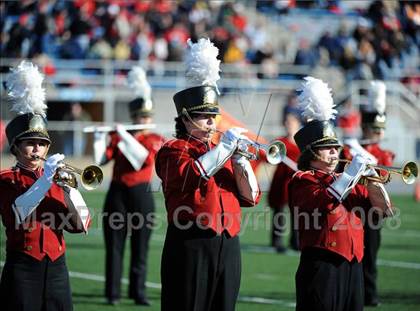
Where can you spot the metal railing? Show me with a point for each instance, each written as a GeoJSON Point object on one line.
{"type": "Point", "coordinates": [75, 81]}
{"type": "Point", "coordinates": [107, 73]}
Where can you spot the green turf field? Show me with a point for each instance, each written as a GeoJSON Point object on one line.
{"type": "Point", "coordinates": [267, 277]}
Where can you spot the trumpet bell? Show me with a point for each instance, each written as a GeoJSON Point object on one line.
{"type": "Point", "coordinates": [91, 177]}
{"type": "Point", "coordinates": [275, 152]}
{"type": "Point", "coordinates": [409, 172]}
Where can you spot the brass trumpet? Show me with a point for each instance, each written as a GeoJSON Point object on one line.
{"type": "Point", "coordinates": [90, 177]}
{"type": "Point", "coordinates": [274, 152]}
{"type": "Point", "coordinates": [409, 172]}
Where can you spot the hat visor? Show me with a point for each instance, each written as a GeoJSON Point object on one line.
{"type": "Point", "coordinates": [34, 135]}
{"type": "Point", "coordinates": [141, 114]}
{"type": "Point", "coordinates": [212, 111]}
{"type": "Point", "coordinates": [327, 143]}
{"type": "Point", "coordinates": [377, 127]}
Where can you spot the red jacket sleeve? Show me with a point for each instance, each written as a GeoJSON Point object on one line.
{"type": "Point", "coordinates": [111, 149]}
{"type": "Point", "coordinates": [175, 165]}
{"type": "Point", "coordinates": [7, 199]}
{"type": "Point", "coordinates": [307, 193]}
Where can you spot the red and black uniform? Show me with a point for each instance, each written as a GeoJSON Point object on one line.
{"type": "Point", "coordinates": [128, 208]}
{"type": "Point", "coordinates": [201, 262]}
{"type": "Point", "coordinates": [372, 234]}
{"type": "Point", "coordinates": [329, 276]}
{"type": "Point", "coordinates": [278, 197]}
{"type": "Point", "coordinates": [35, 275]}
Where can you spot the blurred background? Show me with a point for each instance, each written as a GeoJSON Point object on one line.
{"type": "Point", "coordinates": [85, 49]}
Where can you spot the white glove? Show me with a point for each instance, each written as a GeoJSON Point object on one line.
{"type": "Point", "coordinates": [379, 199]}
{"type": "Point", "coordinates": [356, 148]}
{"type": "Point", "coordinates": [245, 178]}
{"type": "Point", "coordinates": [52, 164]}
{"type": "Point", "coordinates": [370, 171]}
{"type": "Point", "coordinates": [234, 134]}
{"type": "Point", "coordinates": [63, 177]}
{"type": "Point", "coordinates": [26, 203]}
{"type": "Point", "coordinates": [349, 178]}
{"type": "Point", "coordinates": [99, 147]}
{"type": "Point", "coordinates": [211, 162]}
{"type": "Point", "coordinates": [78, 209]}
{"type": "Point", "coordinates": [134, 152]}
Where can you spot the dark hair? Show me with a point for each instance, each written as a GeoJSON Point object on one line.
{"type": "Point", "coordinates": [13, 149]}
{"type": "Point", "coordinates": [304, 161]}
{"type": "Point", "coordinates": [180, 129]}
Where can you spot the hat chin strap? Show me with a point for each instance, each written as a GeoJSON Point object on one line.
{"type": "Point", "coordinates": [187, 115]}
{"type": "Point", "coordinates": [317, 157]}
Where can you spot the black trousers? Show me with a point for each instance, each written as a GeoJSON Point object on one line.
{"type": "Point", "coordinates": [278, 229]}
{"type": "Point", "coordinates": [200, 270]}
{"type": "Point", "coordinates": [32, 285]}
{"type": "Point", "coordinates": [370, 273]}
{"type": "Point", "coordinates": [128, 211]}
{"type": "Point", "coordinates": [326, 281]}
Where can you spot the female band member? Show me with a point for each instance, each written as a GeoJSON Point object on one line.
{"type": "Point", "coordinates": [34, 208]}
{"type": "Point", "coordinates": [204, 186]}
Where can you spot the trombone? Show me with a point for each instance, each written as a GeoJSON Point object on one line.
{"type": "Point", "coordinates": [90, 177]}
{"type": "Point", "coordinates": [275, 152]}
{"type": "Point", "coordinates": [409, 172]}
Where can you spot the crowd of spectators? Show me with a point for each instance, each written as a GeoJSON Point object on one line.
{"type": "Point", "coordinates": [384, 43]}
{"type": "Point", "coordinates": [125, 30]}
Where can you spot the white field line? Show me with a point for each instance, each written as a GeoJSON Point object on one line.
{"type": "Point", "coordinates": [100, 278]}
{"type": "Point", "coordinates": [257, 300]}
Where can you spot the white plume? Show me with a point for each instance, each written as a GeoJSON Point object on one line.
{"type": "Point", "coordinates": [24, 88]}
{"type": "Point", "coordinates": [202, 64]}
{"type": "Point", "coordinates": [315, 100]}
{"type": "Point", "coordinates": [137, 81]}
{"type": "Point", "coordinates": [377, 97]}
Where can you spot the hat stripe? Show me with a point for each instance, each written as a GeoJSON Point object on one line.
{"type": "Point", "coordinates": [209, 105]}
{"type": "Point", "coordinates": [314, 143]}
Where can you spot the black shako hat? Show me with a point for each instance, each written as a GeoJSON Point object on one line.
{"type": "Point", "coordinates": [140, 107]}
{"type": "Point", "coordinates": [316, 134]}
{"type": "Point", "coordinates": [373, 114]}
{"type": "Point", "coordinates": [316, 102]}
{"type": "Point", "coordinates": [27, 126]}
{"type": "Point", "coordinates": [199, 99]}
{"type": "Point", "coordinates": [373, 119]}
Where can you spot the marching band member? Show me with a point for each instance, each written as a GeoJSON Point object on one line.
{"type": "Point", "coordinates": [204, 186]}
{"type": "Point", "coordinates": [329, 207]}
{"type": "Point", "coordinates": [373, 130]}
{"type": "Point", "coordinates": [278, 194]}
{"type": "Point", "coordinates": [35, 210]}
{"type": "Point", "coordinates": [129, 197]}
